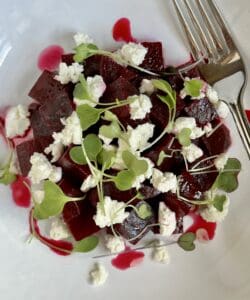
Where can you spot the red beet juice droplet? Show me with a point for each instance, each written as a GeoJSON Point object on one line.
{"type": "Point", "coordinates": [122, 31]}
{"type": "Point", "coordinates": [248, 114]}
{"type": "Point", "coordinates": [20, 192]}
{"type": "Point", "coordinates": [127, 259]}
{"type": "Point", "coordinates": [50, 58]}
{"type": "Point", "coordinates": [200, 223]}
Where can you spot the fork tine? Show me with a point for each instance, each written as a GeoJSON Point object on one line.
{"type": "Point", "coordinates": [195, 49]}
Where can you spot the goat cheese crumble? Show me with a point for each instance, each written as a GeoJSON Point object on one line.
{"type": "Point", "coordinates": [114, 244]}
{"type": "Point", "coordinates": [17, 121]}
{"type": "Point", "coordinates": [167, 220]}
{"type": "Point", "coordinates": [211, 214]}
{"type": "Point", "coordinates": [42, 169]}
{"type": "Point", "coordinates": [160, 253]}
{"type": "Point", "coordinates": [89, 183]}
{"type": "Point", "coordinates": [82, 38]}
{"type": "Point", "coordinates": [164, 182]}
{"type": "Point", "coordinates": [133, 53]}
{"type": "Point", "coordinates": [98, 275]}
{"type": "Point", "coordinates": [190, 123]}
{"type": "Point", "coordinates": [192, 152]}
{"type": "Point", "coordinates": [221, 161]}
{"type": "Point", "coordinates": [70, 73]}
{"type": "Point", "coordinates": [147, 87]}
{"type": "Point", "coordinates": [222, 109]}
{"type": "Point", "coordinates": [212, 95]}
{"type": "Point", "coordinates": [140, 106]}
{"type": "Point", "coordinates": [109, 212]}
{"type": "Point", "coordinates": [138, 137]}
{"type": "Point", "coordinates": [58, 230]}
{"type": "Point", "coordinates": [141, 178]}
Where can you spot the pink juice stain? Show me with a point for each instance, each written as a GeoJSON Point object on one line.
{"type": "Point", "coordinates": [122, 31]}
{"type": "Point", "coordinates": [127, 259]}
{"type": "Point", "coordinates": [205, 230]}
{"type": "Point", "coordinates": [50, 58]}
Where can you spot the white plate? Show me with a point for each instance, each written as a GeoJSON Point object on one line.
{"type": "Point", "coordinates": [218, 270]}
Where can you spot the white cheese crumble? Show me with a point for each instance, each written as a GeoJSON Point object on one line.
{"type": "Point", "coordinates": [192, 152]}
{"type": "Point", "coordinates": [140, 106]}
{"type": "Point", "coordinates": [58, 230]}
{"type": "Point", "coordinates": [208, 128]}
{"type": "Point", "coordinates": [70, 73]}
{"type": "Point", "coordinates": [133, 53]}
{"type": "Point", "coordinates": [37, 192]}
{"type": "Point", "coordinates": [89, 183]}
{"type": "Point", "coordinates": [98, 275]}
{"type": "Point", "coordinates": [17, 121]}
{"type": "Point", "coordinates": [221, 161]}
{"type": "Point", "coordinates": [222, 109]}
{"type": "Point", "coordinates": [164, 182]}
{"type": "Point", "coordinates": [138, 137]}
{"type": "Point", "coordinates": [212, 95]}
{"type": "Point", "coordinates": [160, 253]}
{"type": "Point", "coordinates": [82, 38]}
{"type": "Point", "coordinates": [167, 220]}
{"type": "Point", "coordinates": [109, 212]}
{"type": "Point", "coordinates": [114, 244]}
{"type": "Point", "coordinates": [190, 123]}
{"type": "Point", "coordinates": [95, 87]}
{"type": "Point", "coordinates": [141, 178]}
{"type": "Point", "coordinates": [42, 169]}
{"type": "Point", "coordinates": [211, 214]}
{"type": "Point", "coordinates": [147, 87]}
{"type": "Point", "coordinates": [56, 148]}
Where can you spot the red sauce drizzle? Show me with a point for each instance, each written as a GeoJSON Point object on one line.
{"type": "Point", "coordinates": [56, 246]}
{"type": "Point", "coordinates": [248, 114]}
{"type": "Point", "coordinates": [200, 223]}
{"type": "Point", "coordinates": [50, 58]}
{"type": "Point", "coordinates": [122, 31]}
{"type": "Point", "coordinates": [20, 192]}
{"type": "Point", "coordinates": [127, 259]}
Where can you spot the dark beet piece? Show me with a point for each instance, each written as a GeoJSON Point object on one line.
{"type": "Point", "coordinates": [159, 114]}
{"type": "Point", "coordinates": [218, 142]}
{"type": "Point", "coordinates": [134, 225]}
{"type": "Point", "coordinates": [68, 59]}
{"type": "Point", "coordinates": [110, 70]}
{"type": "Point", "coordinates": [79, 218]}
{"type": "Point", "coordinates": [148, 191]}
{"type": "Point", "coordinates": [47, 89]}
{"type": "Point", "coordinates": [24, 152]}
{"type": "Point", "coordinates": [70, 188]}
{"type": "Point", "coordinates": [202, 110]}
{"type": "Point", "coordinates": [110, 189]}
{"type": "Point", "coordinates": [92, 65]}
{"type": "Point", "coordinates": [154, 58]}
{"type": "Point", "coordinates": [175, 80]}
{"type": "Point", "coordinates": [189, 187]}
{"type": "Point", "coordinates": [78, 173]}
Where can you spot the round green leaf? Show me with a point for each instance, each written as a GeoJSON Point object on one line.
{"type": "Point", "coordinates": [76, 154]}
{"type": "Point", "coordinates": [138, 166]}
{"type": "Point", "coordinates": [88, 115]}
{"type": "Point", "coordinates": [110, 131]}
{"type": "Point", "coordinates": [184, 137]}
{"type": "Point", "coordinates": [186, 241]}
{"type": "Point", "coordinates": [93, 146]}
{"type": "Point", "coordinates": [124, 180]}
{"type": "Point", "coordinates": [144, 211]}
{"type": "Point", "coordinates": [86, 245]}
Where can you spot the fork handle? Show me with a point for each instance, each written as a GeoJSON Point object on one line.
{"type": "Point", "coordinates": [242, 125]}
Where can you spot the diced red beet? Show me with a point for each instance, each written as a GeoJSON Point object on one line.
{"type": "Point", "coordinates": [134, 225]}
{"type": "Point", "coordinates": [92, 65]}
{"type": "Point", "coordinates": [79, 218]}
{"type": "Point", "coordinates": [202, 110]}
{"type": "Point", "coordinates": [189, 187]}
{"type": "Point", "coordinates": [148, 192]}
{"type": "Point", "coordinates": [154, 58]}
{"type": "Point", "coordinates": [218, 142]}
{"type": "Point", "coordinates": [180, 105]}
{"type": "Point", "coordinates": [159, 114]}
{"type": "Point", "coordinates": [68, 59]}
{"type": "Point", "coordinates": [24, 151]}
{"type": "Point", "coordinates": [47, 89]}
{"type": "Point", "coordinates": [175, 80]}
{"type": "Point", "coordinates": [110, 70]}
{"type": "Point", "coordinates": [78, 173]}
{"type": "Point", "coordinates": [70, 188]}
{"type": "Point", "coordinates": [33, 107]}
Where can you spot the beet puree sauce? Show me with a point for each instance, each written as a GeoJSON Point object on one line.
{"type": "Point", "coordinates": [128, 259]}
{"type": "Point", "coordinates": [50, 58]}
{"type": "Point", "coordinates": [122, 31]}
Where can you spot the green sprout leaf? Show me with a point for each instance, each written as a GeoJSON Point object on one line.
{"type": "Point", "coordinates": [164, 86]}
{"type": "Point", "coordinates": [111, 131]}
{"type": "Point", "coordinates": [161, 157]}
{"type": "Point", "coordinates": [184, 137]}
{"type": "Point", "coordinates": [124, 180]}
{"type": "Point", "coordinates": [6, 177]}
{"type": "Point", "coordinates": [84, 51]}
{"type": "Point", "coordinates": [137, 166]}
{"type": "Point", "coordinates": [53, 202]}
{"type": "Point", "coordinates": [88, 115]}
{"type": "Point", "coordinates": [193, 87]}
{"type": "Point", "coordinates": [86, 245]}
{"type": "Point", "coordinates": [227, 180]}
{"type": "Point", "coordinates": [93, 146]}
{"type": "Point", "coordinates": [81, 89]}
{"type": "Point", "coordinates": [186, 241]}
{"type": "Point", "coordinates": [76, 154]}
{"type": "Point", "coordinates": [144, 211]}
{"type": "Point", "coordinates": [109, 116]}
{"type": "Point", "coordinates": [218, 202]}
{"type": "Point", "coordinates": [106, 158]}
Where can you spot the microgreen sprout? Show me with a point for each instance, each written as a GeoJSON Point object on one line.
{"type": "Point", "coordinates": [193, 87]}
{"type": "Point", "coordinates": [186, 241]}
{"type": "Point", "coordinates": [6, 177]}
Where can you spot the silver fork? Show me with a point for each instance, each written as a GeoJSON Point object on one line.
{"type": "Point", "coordinates": [212, 43]}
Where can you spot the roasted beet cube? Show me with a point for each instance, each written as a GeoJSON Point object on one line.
{"type": "Point", "coordinates": [159, 114]}
{"type": "Point", "coordinates": [68, 59]}
{"type": "Point", "coordinates": [175, 80]}
{"type": "Point", "coordinates": [219, 141]}
{"type": "Point", "coordinates": [134, 225]}
{"type": "Point", "coordinates": [189, 187]}
{"type": "Point", "coordinates": [79, 218]}
{"type": "Point", "coordinates": [78, 173]}
{"type": "Point", "coordinates": [70, 188]}
{"type": "Point", "coordinates": [202, 110]}
{"type": "Point", "coordinates": [110, 70]}
{"type": "Point", "coordinates": [154, 58]}
{"type": "Point", "coordinates": [24, 152]}
{"type": "Point", "coordinates": [92, 65]}
{"type": "Point", "coordinates": [148, 192]}
{"type": "Point", "coordinates": [47, 89]}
